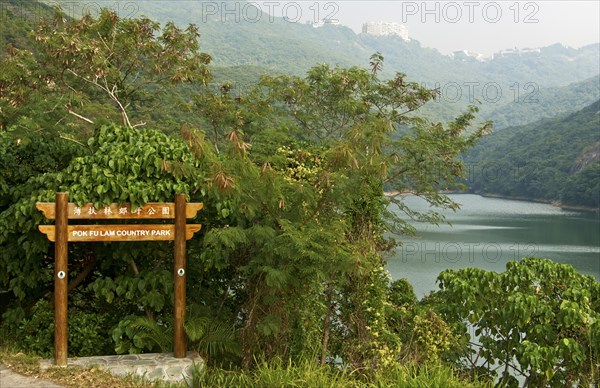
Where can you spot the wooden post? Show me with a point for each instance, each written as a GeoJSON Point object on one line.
{"type": "Point", "coordinates": [180, 346]}
{"type": "Point", "coordinates": [61, 280]}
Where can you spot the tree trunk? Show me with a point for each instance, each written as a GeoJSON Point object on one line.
{"type": "Point", "coordinates": [327, 324]}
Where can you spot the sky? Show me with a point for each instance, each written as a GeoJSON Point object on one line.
{"type": "Point", "coordinates": [480, 26]}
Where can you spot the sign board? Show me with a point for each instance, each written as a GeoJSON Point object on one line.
{"type": "Point", "coordinates": [160, 210]}
{"type": "Point", "coordinates": [61, 233]}
{"type": "Point", "coordinates": [81, 233]}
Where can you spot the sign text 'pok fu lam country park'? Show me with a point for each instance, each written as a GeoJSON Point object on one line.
{"type": "Point", "coordinates": [61, 233]}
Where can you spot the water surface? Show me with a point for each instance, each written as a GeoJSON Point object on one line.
{"type": "Point", "coordinates": [488, 232]}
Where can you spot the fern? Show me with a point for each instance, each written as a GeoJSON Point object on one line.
{"type": "Point", "coordinates": [195, 328]}
{"type": "Point", "coordinates": [154, 332]}
{"type": "Point", "coordinates": [208, 336]}
{"type": "Point", "coordinates": [212, 338]}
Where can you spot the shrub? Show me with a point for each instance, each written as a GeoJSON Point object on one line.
{"type": "Point", "coordinates": [87, 332]}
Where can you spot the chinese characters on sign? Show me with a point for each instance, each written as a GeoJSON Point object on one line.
{"type": "Point", "coordinates": [123, 210]}
{"type": "Point", "coordinates": [157, 210]}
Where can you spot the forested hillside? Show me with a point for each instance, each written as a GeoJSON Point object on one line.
{"type": "Point", "coordinates": [543, 103]}
{"type": "Point", "coordinates": [238, 33]}
{"type": "Point", "coordinates": [554, 160]}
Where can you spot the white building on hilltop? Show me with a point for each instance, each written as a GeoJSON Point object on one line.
{"type": "Point", "coordinates": [465, 55]}
{"type": "Point", "coordinates": [385, 28]}
{"type": "Point", "coordinates": [324, 22]}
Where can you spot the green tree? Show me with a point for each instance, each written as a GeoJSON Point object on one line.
{"type": "Point", "coordinates": [299, 237]}
{"type": "Point", "coordinates": [85, 71]}
{"type": "Point", "coordinates": [538, 319]}
{"type": "Point", "coordinates": [79, 75]}
{"type": "Point", "coordinates": [119, 59]}
{"type": "Point", "coordinates": [126, 166]}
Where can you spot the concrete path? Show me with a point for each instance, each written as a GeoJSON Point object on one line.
{"type": "Point", "coordinates": [10, 379]}
{"type": "Point", "coordinates": [150, 366]}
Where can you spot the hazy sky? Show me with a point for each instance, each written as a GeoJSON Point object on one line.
{"type": "Point", "coordinates": [481, 26]}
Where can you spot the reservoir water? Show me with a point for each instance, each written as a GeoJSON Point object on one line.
{"type": "Point", "coordinates": [488, 232]}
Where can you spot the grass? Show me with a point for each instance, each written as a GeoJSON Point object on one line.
{"type": "Point", "coordinates": [307, 373]}
{"type": "Point", "coordinates": [29, 365]}
{"type": "Point", "coordinates": [275, 374]}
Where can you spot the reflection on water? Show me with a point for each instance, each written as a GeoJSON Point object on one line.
{"type": "Point", "coordinates": [488, 232]}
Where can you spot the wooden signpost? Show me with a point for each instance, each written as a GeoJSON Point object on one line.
{"type": "Point", "coordinates": [62, 233]}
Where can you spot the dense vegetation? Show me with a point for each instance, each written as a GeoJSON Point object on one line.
{"type": "Point", "coordinates": [554, 160]}
{"type": "Point", "coordinates": [290, 263]}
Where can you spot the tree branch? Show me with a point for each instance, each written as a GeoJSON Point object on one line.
{"type": "Point", "coordinates": [87, 269]}
{"type": "Point", "coordinates": [73, 140]}
{"type": "Point", "coordinates": [111, 94]}
{"type": "Point", "coordinates": [81, 117]}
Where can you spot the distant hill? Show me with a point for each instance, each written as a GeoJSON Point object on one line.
{"type": "Point", "coordinates": [555, 160]}
{"type": "Point", "coordinates": [237, 33]}
{"type": "Point", "coordinates": [538, 103]}
{"type": "Point", "coordinates": [245, 42]}
{"type": "Point", "coordinates": [281, 46]}
{"type": "Point", "coordinates": [17, 18]}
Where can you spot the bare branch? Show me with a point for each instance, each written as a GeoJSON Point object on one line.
{"type": "Point", "coordinates": [81, 117]}
{"type": "Point", "coordinates": [73, 140]}
{"type": "Point", "coordinates": [111, 92]}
